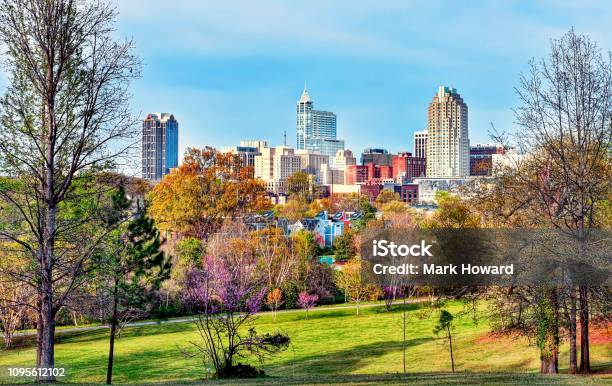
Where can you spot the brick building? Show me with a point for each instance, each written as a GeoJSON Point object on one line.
{"type": "Point", "coordinates": [481, 158]}
{"type": "Point", "coordinates": [406, 167]}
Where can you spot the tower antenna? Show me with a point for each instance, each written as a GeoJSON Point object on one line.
{"type": "Point", "coordinates": [285, 136]}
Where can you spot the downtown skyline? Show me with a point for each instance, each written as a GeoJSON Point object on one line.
{"type": "Point", "coordinates": [230, 73]}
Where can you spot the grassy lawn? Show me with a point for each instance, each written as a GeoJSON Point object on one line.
{"type": "Point", "coordinates": [330, 346]}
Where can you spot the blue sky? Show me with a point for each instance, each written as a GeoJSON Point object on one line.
{"type": "Point", "coordinates": [232, 70]}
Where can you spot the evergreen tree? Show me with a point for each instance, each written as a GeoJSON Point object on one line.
{"type": "Point", "coordinates": [133, 267]}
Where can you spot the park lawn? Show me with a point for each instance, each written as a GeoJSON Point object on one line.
{"type": "Point", "coordinates": [328, 346]}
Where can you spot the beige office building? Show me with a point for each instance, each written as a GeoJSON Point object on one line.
{"type": "Point", "coordinates": [448, 145]}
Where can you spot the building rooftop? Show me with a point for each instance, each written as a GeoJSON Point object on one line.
{"type": "Point", "coordinates": [160, 116]}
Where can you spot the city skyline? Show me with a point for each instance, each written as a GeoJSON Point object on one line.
{"type": "Point", "coordinates": [229, 72]}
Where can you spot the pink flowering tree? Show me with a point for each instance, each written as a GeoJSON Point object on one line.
{"type": "Point", "coordinates": [225, 298]}
{"type": "Point", "coordinates": [307, 301]}
{"type": "Point", "coordinates": [390, 294]}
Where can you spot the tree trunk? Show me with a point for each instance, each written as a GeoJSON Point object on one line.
{"type": "Point", "coordinates": [549, 343]}
{"type": "Point", "coordinates": [549, 361]}
{"type": "Point", "coordinates": [47, 352]}
{"type": "Point", "coordinates": [47, 251]}
{"type": "Point", "coordinates": [8, 338]}
{"type": "Point", "coordinates": [38, 335]}
{"type": "Point", "coordinates": [47, 314]}
{"type": "Point", "coordinates": [585, 360]}
{"type": "Point", "coordinates": [113, 332]}
{"type": "Point", "coordinates": [404, 331]}
{"type": "Point", "coordinates": [573, 365]}
{"type": "Point", "coordinates": [450, 344]}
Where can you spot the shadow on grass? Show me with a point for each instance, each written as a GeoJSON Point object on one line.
{"type": "Point", "coordinates": [341, 361]}
{"type": "Point", "coordinates": [29, 341]}
{"type": "Point", "coordinates": [395, 308]}
{"type": "Point", "coordinates": [312, 315]}
{"type": "Point", "coordinates": [409, 379]}
{"type": "Point", "coordinates": [150, 365]}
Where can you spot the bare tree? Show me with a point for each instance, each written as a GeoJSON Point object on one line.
{"type": "Point", "coordinates": [277, 260]}
{"type": "Point", "coordinates": [65, 115]}
{"type": "Point", "coordinates": [565, 128]}
{"type": "Point", "coordinates": [566, 124]}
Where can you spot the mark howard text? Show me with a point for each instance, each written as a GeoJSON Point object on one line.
{"type": "Point", "coordinates": [448, 269]}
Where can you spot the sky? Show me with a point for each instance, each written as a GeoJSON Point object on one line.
{"type": "Point", "coordinates": [233, 70]}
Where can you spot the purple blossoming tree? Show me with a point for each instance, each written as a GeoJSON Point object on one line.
{"type": "Point", "coordinates": [307, 301]}
{"type": "Point", "coordinates": [225, 298]}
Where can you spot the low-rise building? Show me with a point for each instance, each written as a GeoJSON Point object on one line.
{"type": "Point", "coordinates": [429, 186]}
{"type": "Point", "coordinates": [409, 193]}
{"type": "Point", "coordinates": [406, 167]}
{"type": "Point", "coordinates": [481, 158]}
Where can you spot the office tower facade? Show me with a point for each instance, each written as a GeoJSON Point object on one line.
{"type": "Point", "coordinates": [481, 158]}
{"type": "Point", "coordinates": [406, 167]}
{"type": "Point", "coordinates": [328, 147]}
{"type": "Point", "coordinates": [311, 161]}
{"type": "Point", "coordinates": [376, 156]}
{"type": "Point", "coordinates": [264, 164]}
{"type": "Point", "coordinates": [420, 144]}
{"type": "Point", "coordinates": [448, 145]}
{"type": "Point", "coordinates": [342, 159]}
{"type": "Point", "coordinates": [316, 130]}
{"type": "Point", "coordinates": [274, 165]}
{"type": "Point", "coordinates": [159, 145]}
{"type": "Point", "coordinates": [330, 176]}
{"type": "Point", "coordinates": [286, 163]}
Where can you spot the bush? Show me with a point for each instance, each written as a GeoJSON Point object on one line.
{"type": "Point", "coordinates": [240, 371]}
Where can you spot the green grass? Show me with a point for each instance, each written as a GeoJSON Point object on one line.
{"type": "Point", "coordinates": [331, 346]}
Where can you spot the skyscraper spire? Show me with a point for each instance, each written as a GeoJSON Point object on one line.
{"type": "Point", "coordinates": [305, 97]}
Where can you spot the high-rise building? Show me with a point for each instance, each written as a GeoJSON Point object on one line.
{"type": "Point", "coordinates": [316, 130]}
{"type": "Point", "coordinates": [420, 144]}
{"type": "Point", "coordinates": [481, 158]}
{"type": "Point", "coordinates": [376, 156]}
{"type": "Point", "coordinates": [448, 145]}
{"type": "Point", "coordinates": [159, 145]}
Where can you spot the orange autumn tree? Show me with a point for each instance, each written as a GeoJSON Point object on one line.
{"type": "Point", "coordinates": [208, 187]}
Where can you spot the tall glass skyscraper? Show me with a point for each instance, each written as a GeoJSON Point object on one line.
{"type": "Point", "coordinates": [316, 130]}
{"type": "Point", "coordinates": [159, 145]}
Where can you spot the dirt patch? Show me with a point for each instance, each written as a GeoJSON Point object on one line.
{"type": "Point", "coordinates": [493, 337]}
{"type": "Point", "coordinates": [599, 333]}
